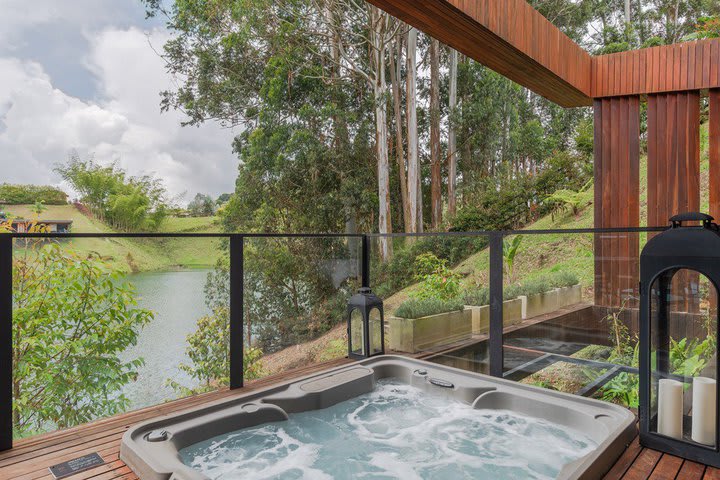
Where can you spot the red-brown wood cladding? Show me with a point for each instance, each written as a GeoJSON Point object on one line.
{"type": "Point", "coordinates": [673, 155]}
{"type": "Point", "coordinates": [508, 36]}
{"type": "Point", "coordinates": [617, 194]}
{"type": "Point", "coordinates": [670, 68]}
{"type": "Point", "coordinates": [674, 170]}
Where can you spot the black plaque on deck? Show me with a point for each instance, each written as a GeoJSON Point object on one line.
{"type": "Point", "coordinates": [76, 465]}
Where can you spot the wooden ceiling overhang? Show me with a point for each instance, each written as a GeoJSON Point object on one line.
{"type": "Point", "coordinates": [515, 40]}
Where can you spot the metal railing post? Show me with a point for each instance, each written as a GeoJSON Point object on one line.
{"type": "Point", "coordinates": [496, 304]}
{"type": "Point", "coordinates": [6, 364]}
{"type": "Point", "coordinates": [365, 267]}
{"type": "Point", "coordinates": [237, 259]}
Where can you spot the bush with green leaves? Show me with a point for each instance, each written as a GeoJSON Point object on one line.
{"type": "Point", "coordinates": [72, 318]}
{"type": "Point", "coordinates": [398, 273]}
{"type": "Point", "coordinates": [436, 279]}
{"type": "Point", "coordinates": [418, 308]}
{"type": "Point", "coordinates": [28, 194]}
{"type": "Point", "coordinates": [209, 351]}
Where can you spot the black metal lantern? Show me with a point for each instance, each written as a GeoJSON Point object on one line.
{"type": "Point", "coordinates": [679, 277]}
{"type": "Point", "coordinates": [366, 335]}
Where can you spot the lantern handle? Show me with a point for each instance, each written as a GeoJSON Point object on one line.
{"type": "Point", "coordinates": [677, 220]}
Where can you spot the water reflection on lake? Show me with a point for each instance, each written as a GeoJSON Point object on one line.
{"type": "Point", "coordinates": [178, 300]}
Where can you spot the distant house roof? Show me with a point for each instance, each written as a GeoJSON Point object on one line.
{"type": "Point", "coordinates": [44, 222]}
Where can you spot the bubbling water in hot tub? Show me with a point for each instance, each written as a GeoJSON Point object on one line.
{"type": "Point", "coordinates": [396, 431]}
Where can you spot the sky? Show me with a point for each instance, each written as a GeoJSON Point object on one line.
{"type": "Point", "coordinates": [85, 76]}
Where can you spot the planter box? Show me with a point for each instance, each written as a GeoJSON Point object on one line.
{"type": "Point", "coordinates": [413, 335]}
{"type": "Point", "coordinates": [548, 302]}
{"type": "Point", "coordinates": [512, 314]}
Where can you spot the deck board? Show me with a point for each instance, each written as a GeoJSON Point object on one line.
{"type": "Point", "coordinates": [31, 457]}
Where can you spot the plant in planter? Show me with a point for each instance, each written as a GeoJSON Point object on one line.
{"type": "Point", "coordinates": [424, 323]}
{"type": "Point", "coordinates": [688, 357]}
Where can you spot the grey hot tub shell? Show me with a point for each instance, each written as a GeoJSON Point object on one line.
{"type": "Point", "coordinates": [151, 448]}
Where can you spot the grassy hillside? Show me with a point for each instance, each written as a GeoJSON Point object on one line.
{"type": "Point", "coordinates": [133, 255]}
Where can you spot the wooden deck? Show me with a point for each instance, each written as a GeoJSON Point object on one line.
{"type": "Point", "coordinates": [639, 463]}
{"type": "Point", "coordinates": [31, 457]}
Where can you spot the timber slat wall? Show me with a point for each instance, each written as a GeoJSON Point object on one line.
{"type": "Point", "coordinates": [509, 37]}
{"type": "Point", "coordinates": [617, 194]}
{"type": "Point", "coordinates": [673, 155]}
{"type": "Point", "coordinates": [670, 68]}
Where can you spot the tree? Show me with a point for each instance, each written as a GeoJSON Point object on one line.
{"type": "Point", "coordinates": [435, 166]}
{"type": "Point", "coordinates": [72, 317]}
{"type": "Point", "coordinates": [38, 208]}
{"type": "Point", "coordinates": [201, 206]}
{"type": "Point", "coordinates": [452, 138]}
{"type": "Point", "coordinates": [223, 199]}
{"type": "Point", "coordinates": [124, 202]}
{"type": "Point", "coordinates": [414, 190]}
{"type": "Point", "coordinates": [209, 345]}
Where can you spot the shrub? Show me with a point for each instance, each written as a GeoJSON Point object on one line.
{"type": "Point", "coordinates": [398, 273]}
{"type": "Point", "coordinates": [27, 194]}
{"type": "Point", "coordinates": [437, 280]}
{"type": "Point", "coordinates": [417, 308]}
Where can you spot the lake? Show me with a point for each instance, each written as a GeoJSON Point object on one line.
{"type": "Point", "coordinates": [178, 300]}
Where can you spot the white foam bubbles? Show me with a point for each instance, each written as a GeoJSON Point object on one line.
{"type": "Point", "coordinates": [396, 431]}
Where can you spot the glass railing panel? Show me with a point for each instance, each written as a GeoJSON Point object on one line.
{"type": "Point", "coordinates": [433, 287]}
{"type": "Point", "coordinates": [571, 312]}
{"type": "Point", "coordinates": [105, 326]}
{"type": "Point", "coordinates": [296, 292]}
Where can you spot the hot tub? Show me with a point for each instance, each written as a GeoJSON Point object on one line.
{"type": "Point", "coordinates": [386, 417]}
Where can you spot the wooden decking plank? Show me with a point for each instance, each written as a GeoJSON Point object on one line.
{"type": "Point", "coordinates": [691, 471]}
{"type": "Point", "coordinates": [643, 465]}
{"type": "Point", "coordinates": [712, 473]}
{"type": "Point", "coordinates": [29, 470]}
{"type": "Point", "coordinates": [167, 408]}
{"type": "Point", "coordinates": [32, 456]}
{"type": "Point", "coordinates": [667, 468]}
{"type": "Point", "coordinates": [131, 418]}
{"type": "Point", "coordinates": [626, 459]}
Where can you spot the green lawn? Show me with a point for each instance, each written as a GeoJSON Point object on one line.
{"type": "Point", "coordinates": [133, 255]}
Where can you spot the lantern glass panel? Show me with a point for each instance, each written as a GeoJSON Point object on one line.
{"type": "Point", "coordinates": [683, 347]}
{"type": "Point", "coordinates": [357, 338]}
{"type": "Point", "coordinates": [375, 331]}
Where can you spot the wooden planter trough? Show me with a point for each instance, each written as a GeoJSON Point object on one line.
{"type": "Point", "coordinates": [413, 335]}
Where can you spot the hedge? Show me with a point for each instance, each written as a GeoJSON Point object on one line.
{"type": "Point", "coordinates": [26, 194]}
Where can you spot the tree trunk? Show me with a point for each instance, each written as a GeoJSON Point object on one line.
{"type": "Point", "coordinates": [435, 165]}
{"type": "Point", "coordinates": [377, 34]}
{"type": "Point", "coordinates": [414, 191]}
{"type": "Point", "coordinates": [628, 17]}
{"type": "Point", "coordinates": [395, 71]}
{"type": "Point", "coordinates": [452, 140]}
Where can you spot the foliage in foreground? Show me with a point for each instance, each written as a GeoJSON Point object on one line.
{"type": "Point", "coordinates": [72, 317]}
{"type": "Point", "coordinates": [688, 357]}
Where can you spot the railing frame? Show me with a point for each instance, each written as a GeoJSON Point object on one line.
{"type": "Point", "coordinates": [236, 249]}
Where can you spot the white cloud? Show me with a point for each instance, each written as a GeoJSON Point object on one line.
{"type": "Point", "coordinates": [40, 124]}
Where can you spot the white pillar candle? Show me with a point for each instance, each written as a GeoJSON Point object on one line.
{"type": "Point", "coordinates": [670, 408]}
{"type": "Point", "coordinates": [703, 410]}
